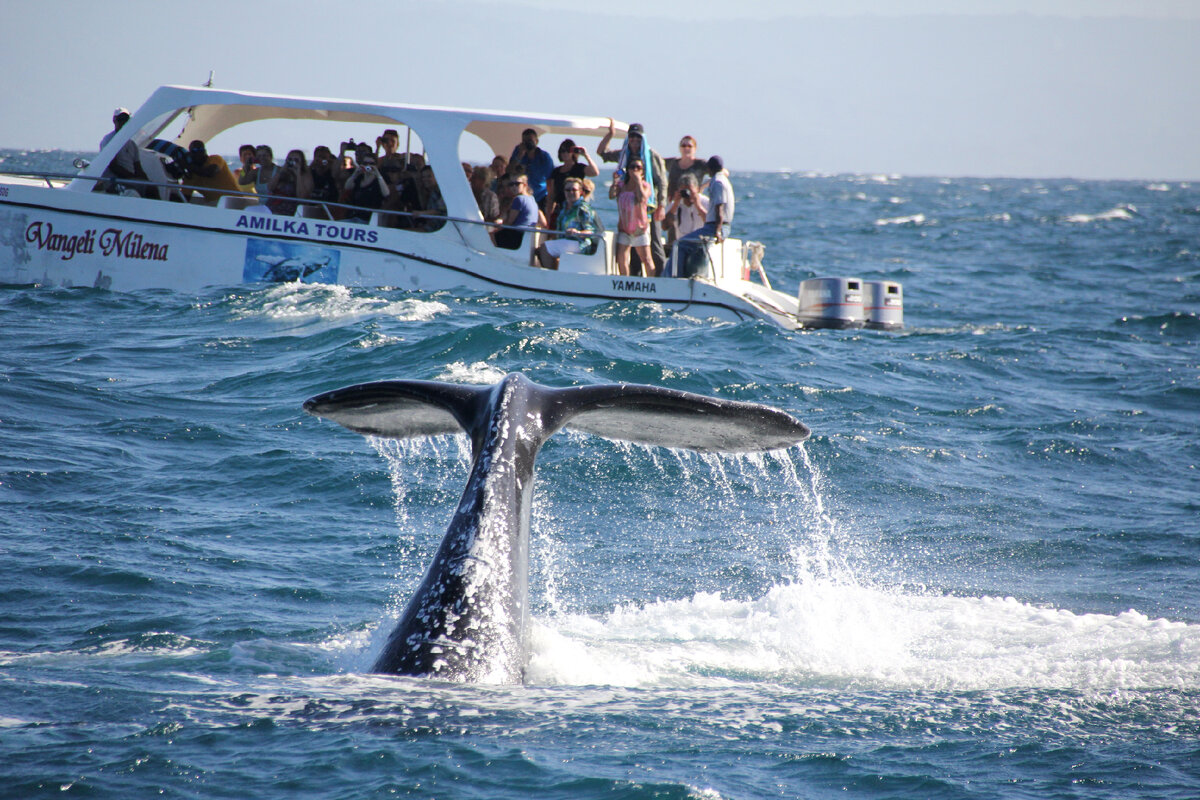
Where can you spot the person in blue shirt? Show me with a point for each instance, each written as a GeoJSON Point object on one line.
{"type": "Point", "coordinates": [537, 162]}
{"type": "Point", "coordinates": [523, 212]}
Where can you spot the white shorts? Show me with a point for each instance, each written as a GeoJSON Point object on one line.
{"type": "Point", "coordinates": [634, 239]}
{"type": "Point", "coordinates": [556, 247]}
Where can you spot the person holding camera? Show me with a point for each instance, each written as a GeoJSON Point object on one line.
{"type": "Point", "coordinates": [686, 164]}
{"type": "Point", "coordinates": [576, 164]}
{"type": "Point", "coordinates": [293, 179]}
{"type": "Point", "coordinates": [246, 173]}
{"type": "Point", "coordinates": [391, 160]}
{"type": "Point", "coordinates": [365, 188]}
{"type": "Point", "coordinates": [326, 187]}
{"type": "Point", "coordinates": [692, 248]}
{"type": "Point", "coordinates": [688, 209]}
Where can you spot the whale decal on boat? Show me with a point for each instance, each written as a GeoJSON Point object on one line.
{"type": "Point", "coordinates": [272, 261]}
{"type": "Point", "coordinates": [468, 619]}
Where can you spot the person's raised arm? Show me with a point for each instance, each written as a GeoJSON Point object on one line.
{"type": "Point", "coordinates": [602, 148]}
{"type": "Point", "coordinates": [590, 170]}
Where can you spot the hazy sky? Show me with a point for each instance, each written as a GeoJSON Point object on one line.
{"type": "Point", "coordinates": [1094, 88]}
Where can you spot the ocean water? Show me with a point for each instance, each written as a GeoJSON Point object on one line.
{"type": "Point", "coordinates": [979, 579]}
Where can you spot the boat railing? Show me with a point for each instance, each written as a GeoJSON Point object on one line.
{"type": "Point", "coordinates": [308, 208]}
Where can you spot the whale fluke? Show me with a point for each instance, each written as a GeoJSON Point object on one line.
{"type": "Point", "coordinates": [468, 619]}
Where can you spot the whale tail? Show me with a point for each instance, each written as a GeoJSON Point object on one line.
{"type": "Point", "coordinates": [648, 415]}
{"type": "Point", "coordinates": [468, 619]}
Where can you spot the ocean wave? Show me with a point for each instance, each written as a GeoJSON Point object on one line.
{"type": "Point", "coordinates": [1122, 212]}
{"type": "Point", "coordinates": [912, 219]}
{"type": "Point", "coordinates": [1174, 323]}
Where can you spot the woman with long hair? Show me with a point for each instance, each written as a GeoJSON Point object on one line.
{"type": "Point", "coordinates": [293, 179]}
{"type": "Point", "coordinates": [633, 225]}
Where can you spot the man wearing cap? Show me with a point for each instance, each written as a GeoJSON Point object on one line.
{"type": "Point", "coordinates": [210, 174]}
{"type": "Point", "coordinates": [656, 174]}
{"type": "Point", "coordinates": [537, 162]}
{"type": "Point", "coordinates": [716, 223]}
{"type": "Point", "coordinates": [125, 164]}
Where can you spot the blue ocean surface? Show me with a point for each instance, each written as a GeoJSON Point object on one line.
{"type": "Point", "coordinates": [980, 578]}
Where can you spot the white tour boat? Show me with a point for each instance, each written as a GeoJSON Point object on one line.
{"type": "Point", "coordinates": [65, 230]}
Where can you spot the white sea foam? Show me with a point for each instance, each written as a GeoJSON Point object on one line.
{"type": "Point", "coordinates": [305, 302]}
{"type": "Point", "coordinates": [912, 219]}
{"type": "Point", "coordinates": [827, 633]}
{"type": "Point", "coordinates": [1121, 212]}
{"type": "Point", "coordinates": [828, 627]}
{"type": "Point", "coordinates": [479, 372]}
{"type": "Point", "coordinates": [822, 625]}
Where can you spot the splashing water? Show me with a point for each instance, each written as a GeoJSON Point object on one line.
{"type": "Point", "coordinates": [820, 623]}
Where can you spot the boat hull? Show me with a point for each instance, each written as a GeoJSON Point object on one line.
{"type": "Point", "coordinates": [65, 238]}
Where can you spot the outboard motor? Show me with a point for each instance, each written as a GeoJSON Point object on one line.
{"type": "Point", "coordinates": [883, 305]}
{"type": "Point", "coordinates": [831, 303]}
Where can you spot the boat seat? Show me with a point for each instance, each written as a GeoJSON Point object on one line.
{"type": "Point", "coordinates": [236, 201]}
{"type": "Point", "coordinates": [152, 165]}
{"type": "Point", "coordinates": [314, 212]}
{"type": "Point", "coordinates": [594, 264]}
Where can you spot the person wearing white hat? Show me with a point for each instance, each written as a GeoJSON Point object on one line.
{"type": "Point", "coordinates": [125, 164]}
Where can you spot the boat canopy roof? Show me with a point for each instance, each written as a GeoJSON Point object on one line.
{"type": "Point", "coordinates": [212, 111]}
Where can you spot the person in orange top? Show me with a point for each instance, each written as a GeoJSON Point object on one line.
{"type": "Point", "coordinates": [209, 174]}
